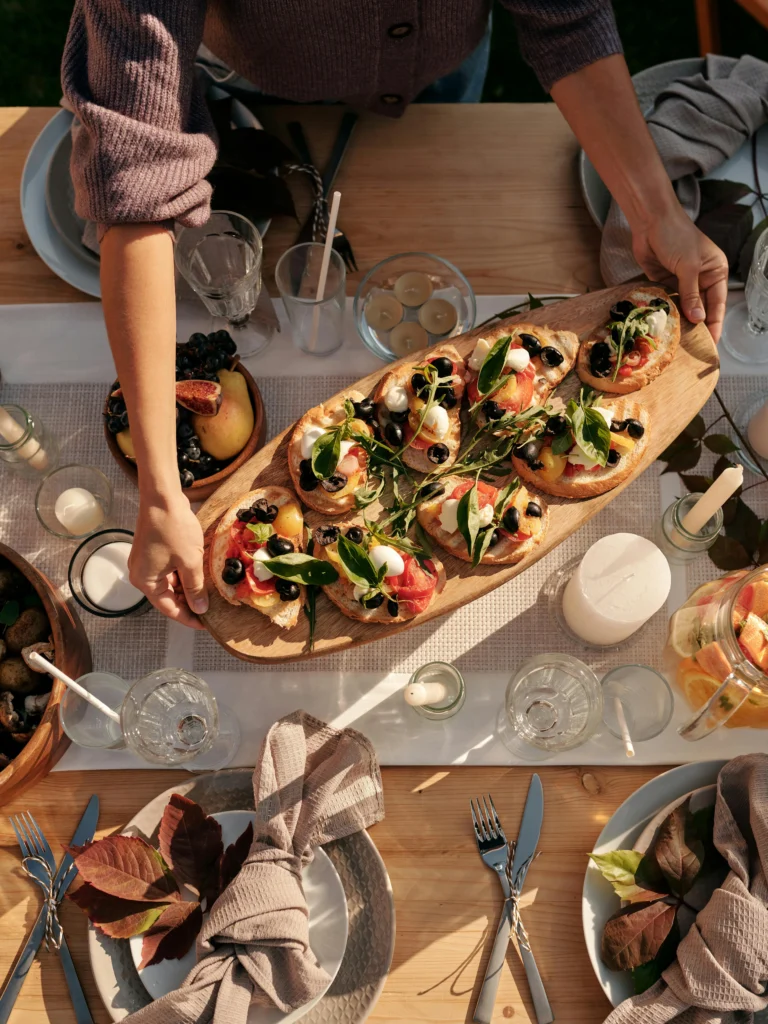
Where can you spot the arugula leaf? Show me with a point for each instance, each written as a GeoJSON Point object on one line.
{"type": "Point", "coordinates": [468, 517]}
{"type": "Point", "coordinates": [365, 495]}
{"type": "Point", "coordinates": [503, 499]}
{"type": "Point", "coordinates": [493, 365]}
{"type": "Point", "coordinates": [349, 410]}
{"type": "Point", "coordinates": [325, 453]}
{"type": "Point", "coordinates": [358, 567]}
{"type": "Point", "coordinates": [261, 531]}
{"type": "Point", "coordinates": [303, 569]}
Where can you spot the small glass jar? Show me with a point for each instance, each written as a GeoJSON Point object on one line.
{"type": "Point", "coordinates": [74, 501]}
{"type": "Point", "coordinates": [85, 725]}
{"type": "Point", "coordinates": [26, 445]}
{"type": "Point", "coordinates": [98, 576]}
{"type": "Point", "coordinates": [680, 545]}
{"type": "Point", "coordinates": [456, 693]}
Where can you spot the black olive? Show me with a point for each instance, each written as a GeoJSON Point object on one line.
{"type": "Point", "coordinates": [233, 571]}
{"type": "Point", "coordinates": [355, 534]}
{"type": "Point", "coordinates": [246, 515]}
{"type": "Point", "coordinates": [279, 546]}
{"type": "Point", "coordinates": [287, 589]}
{"type": "Point", "coordinates": [449, 400]}
{"type": "Point", "coordinates": [334, 483]}
{"type": "Point", "coordinates": [373, 599]}
{"type": "Point", "coordinates": [325, 535]}
{"type": "Point", "coordinates": [551, 356]}
{"type": "Point", "coordinates": [600, 352]}
{"type": "Point", "coordinates": [531, 344]}
{"type": "Point", "coordinates": [431, 491]}
{"type": "Point", "coordinates": [308, 481]}
{"type": "Point", "coordinates": [443, 365]}
{"type": "Point", "coordinates": [629, 344]}
{"type": "Point", "coordinates": [660, 304]}
{"type": "Point", "coordinates": [536, 465]}
{"type": "Point", "coordinates": [601, 369]}
{"type": "Point", "coordinates": [114, 424]}
{"type": "Point", "coordinates": [185, 430]}
{"type": "Point", "coordinates": [635, 429]}
{"type": "Point", "coordinates": [364, 409]}
{"type": "Point", "coordinates": [264, 512]}
{"type": "Point", "coordinates": [495, 538]}
{"type": "Point", "coordinates": [393, 608]}
{"type": "Point", "coordinates": [393, 434]}
{"type": "Point", "coordinates": [616, 334]}
{"type": "Point", "coordinates": [187, 478]}
{"type": "Point", "coordinates": [443, 392]}
{"type": "Point", "coordinates": [618, 425]}
{"type": "Point", "coordinates": [622, 309]}
{"type": "Point", "coordinates": [399, 417]}
{"type": "Point", "coordinates": [556, 425]}
{"type": "Point", "coordinates": [533, 509]}
{"type": "Point", "coordinates": [511, 519]}
{"type": "Point", "coordinates": [438, 453]}
{"type": "Point", "coordinates": [419, 383]}
{"type": "Point", "coordinates": [528, 452]}
{"type": "Point", "coordinates": [493, 410]}
{"type": "Point", "coordinates": [613, 457]}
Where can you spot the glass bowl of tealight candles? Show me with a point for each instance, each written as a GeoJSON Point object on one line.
{"type": "Point", "coordinates": [411, 301]}
{"type": "Point", "coordinates": [74, 501]}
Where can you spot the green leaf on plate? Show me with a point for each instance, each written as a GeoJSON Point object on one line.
{"type": "Point", "coordinates": [618, 866]}
{"type": "Point", "coordinates": [493, 365]}
{"type": "Point", "coordinates": [303, 569]}
{"type": "Point", "coordinates": [325, 453]}
{"type": "Point", "coordinates": [468, 517]}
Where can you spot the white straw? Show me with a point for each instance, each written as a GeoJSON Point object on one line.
{"type": "Point", "coordinates": [81, 691]}
{"type": "Point", "coordinates": [332, 218]}
{"type": "Point", "coordinates": [629, 746]}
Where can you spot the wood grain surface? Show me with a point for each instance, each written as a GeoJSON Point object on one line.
{"type": "Point", "coordinates": [672, 400]}
{"type": "Point", "coordinates": [447, 903]}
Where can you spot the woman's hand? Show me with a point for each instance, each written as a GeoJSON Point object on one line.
{"type": "Point", "coordinates": [672, 250]}
{"type": "Point", "coordinates": [166, 561]}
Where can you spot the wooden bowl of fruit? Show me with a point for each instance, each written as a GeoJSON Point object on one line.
{"type": "Point", "coordinates": [33, 617]}
{"type": "Point", "coordinates": [220, 417]}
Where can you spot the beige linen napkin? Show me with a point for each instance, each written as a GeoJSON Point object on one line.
{"type": "Point", "coordinates": [312, 784]}
{"type": "Point", "coordinates": [696, 123]}
{"type": "Point", "coordinates": [721, 971]}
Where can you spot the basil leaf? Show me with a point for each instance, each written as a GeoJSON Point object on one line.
{"type": "Point", "coordinates": [493, 364]}
{"type": "Point", "coordinates": [358, 567]}
{"type": "Point", "coordinates": [303, 569]}
{"type": "Point", "coordinates": [261, 531]}
{"type": "Point", "coordinates": [562, 443]}
{"type": "Point", "coordinates": [310, 604]}
{"type": "Point", "coordinates": [468, 517]}
{"type": "Point", "coordinates": [325, 454]}
{"type": "Point", "coordinates": [482, 543]}
{"type": "Point", "coordinates": [592, 435]}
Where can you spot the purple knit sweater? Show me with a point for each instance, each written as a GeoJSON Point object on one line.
{"type": "Point", "coordinates": [146, 142]}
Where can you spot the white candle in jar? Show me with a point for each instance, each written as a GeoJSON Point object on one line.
{"type": "Point", "coordinates": [757, 431]}
{"type": "Point", "coordinates": [420, 695]}
{"type": "Point", "coordinates": [413, 289]}
{"type": "Point", "coordinates": [30, 452]}
{"type": "Point", "coordinates": [438, 316]}
{"type": "Point", "coordinates": [78, 511]}
{"type": "Point", "coordinates": [383, 311]}
{"type": "Point", "coordinates": [713, 498]}
{"type": "Point", "coordinates": [105, 578]}
{"type": "Point", "coordinates": [408, 337]}
{"type": "Point", "coordinates": [620, 583]}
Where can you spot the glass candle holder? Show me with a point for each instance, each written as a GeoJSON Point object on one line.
{"type": "Point", "coordinates": [680, 545]}
{"type": "Point", "coordinates": [98, 576]}
{"type": "Point", "coordinates": [439, 675]}
{"type": "Point", "coordinates": [317, 323]}
{"type": "Point", "coordinates": [646, 702]}
{"type": "Point", "coordinates": [26, 445]}
{"type": "Point", "coordinates": [74, 501]}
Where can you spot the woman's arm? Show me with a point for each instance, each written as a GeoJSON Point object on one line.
{"type": "Point", "coordinates": [138, 296]}
{"type": "Point", "coordinates": [600, 105]}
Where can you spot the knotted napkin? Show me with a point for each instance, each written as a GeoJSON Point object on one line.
{"type": "Point", "coordinates": [312, 784]}
{"type": "Point", "coordinates": [721, 971]}
{"type": "Point", "coordinates": [696, 123]}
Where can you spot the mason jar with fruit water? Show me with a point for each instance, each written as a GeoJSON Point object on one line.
{"type": "Point", "coordinates": [717, 653]}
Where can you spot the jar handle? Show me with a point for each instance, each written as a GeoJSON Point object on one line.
{"type": "Point", "coordinates": [724, 702]}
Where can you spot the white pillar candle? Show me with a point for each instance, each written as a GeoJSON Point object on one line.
{"type": "Point", "coordinates": [78, 511]}
{"type": "Point", "coordinates": [714, 498]}
{"type": "Point", "coordinates": [620, 583]}
{"type": "Point", "coordinates": [105, 578]}
{"type": "Point", "coordinates": [422, 694]}
{"type": "Point", "coordinates": [757, 431]}
{"type": "Point", "coordinates": [30, 452]}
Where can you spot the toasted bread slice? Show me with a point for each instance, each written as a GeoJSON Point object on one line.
{"type": "Point", "coordinates": [658, 360]}
{"type": "Point", "coordinates": [342, 592]}
{"type": "Point", "coordinates": [588, 483]}
{"type": "Point", "coordinates": [328, 414]}
{"type": "Point", "coordinates": [506, 551]}
{"type": "Point", "coordinates": [417, 458]}
{"type": "Point", "coordinates": [283, 613]}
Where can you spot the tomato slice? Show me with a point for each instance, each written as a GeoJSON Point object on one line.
{"type": "Point", "coordinates": [413, 583]}
{"type": "Point", "coordinates": [570, 469]}
{"type": "Point", "coordinates": [625, 371]}
{"type": "Point", "coordinates": [517, 538]}
{"type": "Point", "coordinates": [523, 394]}
{"type": "Point", "coordinates": [415, 607]}
{"type": "Point", "coordinates": [643, 346]}
{"type": "Point", "coordinates": [250, 585]}
{"type": "Point", "coordinates": [420, 443]}
{"type": "Point", "coordinates": [486, 493]}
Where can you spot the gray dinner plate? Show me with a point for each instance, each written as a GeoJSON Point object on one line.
{"type": "Point", "coordinates": [60, 200]}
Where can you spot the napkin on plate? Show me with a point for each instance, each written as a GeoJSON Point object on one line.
{"type": "Point", "coordinates": [721, 970]}
{"type": "Point", "coordinates": [312, 784]}
{"type": "Point", "coordinates": [696, 123]}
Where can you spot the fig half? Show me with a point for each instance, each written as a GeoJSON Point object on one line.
{"type": "Point", "coordinates": [202, 397]}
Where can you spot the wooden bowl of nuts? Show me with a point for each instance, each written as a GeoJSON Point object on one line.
{"type": "Point", "coordinates": [33, 617]}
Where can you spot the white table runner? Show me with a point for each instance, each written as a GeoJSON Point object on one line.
{"type": "Point", "coordinates": [487, 639]}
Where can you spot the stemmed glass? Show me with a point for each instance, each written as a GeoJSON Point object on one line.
{"type": "Point", "coordinates": [745, 331]}
{"type": "Point", "coordinates": [221, 261]}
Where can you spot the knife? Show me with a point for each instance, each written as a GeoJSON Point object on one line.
{"type": "Point", "coordinates": [84, 833]}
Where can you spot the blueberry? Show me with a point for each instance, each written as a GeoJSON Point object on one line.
{"type": "Point", "coordinates": [419, 383]}
{"type": "Point", "coordinates": [492, 410]}
{"type": "Point", "coordinates": [511, 519]}
{"type": "Point", "coordinates": [399, 417]}
{"type": "Point", "coordinates": [233, 572]}
{"type": "Point", "coordinates": [325, 535]}
{"type": "Point", "coordinates": [334, 483]}
{"type": "Point", "coordinates": [264, 512]}
{"type": "Point", "coordinates": [307, 479]}
{"type": "Point", "coordinates": [393, 434]}
{"type": "Point", "coordinates": [114, 424]}
{"type": "Point", "coordinates": [185, 430]}
{"type": "Point", "coordinates": [635, 429]}
{"type": "Point", "coordinates": [556, 425]}
{"type": "Point", "coordinates": [438, 453]}
{"type": "Point", "coordinates": [443, 365]}
{"type": "Point", "coordinates": [373, 599]}
{"type": "Point", "coordinates": [613, 457]}
{"type": "Point", "coordinates": [393, 608]}
{"type": "Point", "coordinates": [365, 409]}
{"type": "Point", "coordinates": [355, 534]}
{"type": "Point", "coordinates": [528, 452]}
{"type": "Point", "coordinates": [622, 309]}
{"type": "Point", "coordinates": [431, 491]}
{"type": "Point", "coordinates": [279, 546]}
{"type": "Point", "coordinates": [533, 509]}
{"type": "Point", "coordinates": [531, 344]}
{"type": "Point", "coordinates": [551, 356]}
{"type": "Point", "coordinates": [124, 419]}
{"type": "Point", "coordinates": [187, 478]}
{"type": "Point", "coordinates": [246, 515]}
{"type": "Point", "coordinates": [287, 589]}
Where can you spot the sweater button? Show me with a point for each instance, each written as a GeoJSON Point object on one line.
{"type": "Point", "coordinates": [400, 30]}
{"type": "Point", "coordinates": [391, 98]}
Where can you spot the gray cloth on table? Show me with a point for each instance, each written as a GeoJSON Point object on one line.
{"type": "Point", "coordinates": [721, 971]}
{"type": "Point", "coordinates": [697, 123]}
{"type": "Point", "coordinates": [312, 784]}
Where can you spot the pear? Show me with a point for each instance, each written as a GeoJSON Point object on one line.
{"type": "Point", "coordinates": [125, 444]}
{"type": "Point", "coordinates": [227, 433]}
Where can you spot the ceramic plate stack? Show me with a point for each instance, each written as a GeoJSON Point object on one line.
{"type": "Point", "coordinates": [352, 918]}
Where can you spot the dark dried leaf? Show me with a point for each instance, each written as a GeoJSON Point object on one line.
{"type": "Point", "coordinates": [120, 919]}
{"type": "Point", "coordinates": [533, 302]}
{"type": "Point", "coordinates": [696, 484]}
{"type": "Point", "coordinates": [175, 932]}
{"type": "Point", "coordinates": [253, 149]}
{"type": "Point", "coordinates": [678, 854]}
{"type": "Point", "coordinates": [191, 843]}
{"type": "Point", "coordinates": [695, 429]}
{"type": "Point", "coordinates": [257, 198]}
{"type": "Point", "coordinates": [729, 227]}
{"type": "Point", "coordinates": [744, 526]}
{"type": "Point", "coordinates": [126, 867]}
{"type": "Point", "coordinates": [650, 876]}
{"type": "Point", "coordinates": [635, 935]}
{"type": "Point", "coordinates": [748, 249]}
{"type": "Point", "coordinates": [720, 444]}
{"type": "Point", "coordinates": [648, 974]}
{"type": "Point", "coordinates": [680, 443]}
{"type": "Point", "coordinates": [234, 857]}
{"type": "Point", "coordinates": [715, 192]}
{"type": "Point", "coordinates": [684, 458]}
{"type": "Point", "coordinates": [720, 467]}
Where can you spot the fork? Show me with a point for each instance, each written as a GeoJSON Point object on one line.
{"type": "Point", "coordinates": [36, 850]}
{"type": "Point", "coordinates": [494, 851]}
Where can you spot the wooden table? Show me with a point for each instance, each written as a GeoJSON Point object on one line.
{"type": "Point", "coordinates": [492, 188]}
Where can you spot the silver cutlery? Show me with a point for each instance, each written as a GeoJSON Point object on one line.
{"type": "Point", "coordinates": [511, 863]}
{"type": "Point", "coordinates": [40, 864]}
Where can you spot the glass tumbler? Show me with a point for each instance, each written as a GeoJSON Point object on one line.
{"type": "Point", "coordinates": [85, 725]}
{"type": "Point", "coordinates": [26, 446]}
{"type": "Point", "coordinates": [317, 323]}
{"type": "Point", "coordinates": [74, 501]}
{"type": "Point", "coordinates": [745, 330]}
{"type": "Point", "coordinates": [221, 261]}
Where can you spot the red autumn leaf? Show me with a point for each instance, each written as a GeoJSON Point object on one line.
{"type": "Point", "coordinates": [173, 934]}
{"type": "Point", "coordinates": [234, 857]}
{"type": "Point", "coordinates": [126, 867]}
{"type": "Point", "coordinates": [635, 935]}
{"type": "Point", "coordinates": [191, 843]}
{"type": "Point", "coordinates": [120, 919]}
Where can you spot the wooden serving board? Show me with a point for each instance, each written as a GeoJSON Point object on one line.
{"type": "Point", "coordinates": [672, 400]}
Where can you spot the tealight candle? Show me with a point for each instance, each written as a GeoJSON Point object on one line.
{"type": "Point", "coordinates": [383, 311]}
{"type": "Point", "coordinates": [413, 289]}
{"type": "Point", "coordinates": [78, 511]}
{"type": "Point", "coordinates": [757, 431]}
{"type": "Point", "coordinates": [619, 584]}
{"type": "Point", "coordinates": [106, 579]}
{"type": "Point", "coordinates": [438, 316]}
{"type": "Point", "coordinates": [408, 337]}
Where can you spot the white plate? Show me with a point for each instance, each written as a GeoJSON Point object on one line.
{"type": "Point", "coordinates": [328, 928]}
{"type": "Point", "coordinates": [624, 828]}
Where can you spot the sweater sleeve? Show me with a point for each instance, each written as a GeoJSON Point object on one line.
{"type": "Point", "coordinates": [558, 37]}
{"type": "Point", "coordinates": [145, 140]}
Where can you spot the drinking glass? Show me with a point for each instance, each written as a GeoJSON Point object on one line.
{"type": "Point", "coordinates": [64, 479]}
{"type": "Point", "coordinates": [745, 331]}
{"type": "Point", "coordinates": [221, 261]}
{"type": "Point", "coordinates": [317, 323]}
{"type": "Point", "coordinates": [26, 446]}
{"type": "Point", "coordinates": [85, 725]}
{"type": "Point", "coordinates": [553, 703]}
{"type": "Point", "coordinates": [646, 699]}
